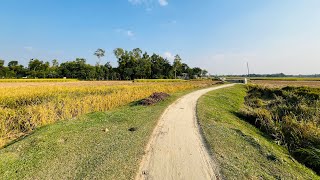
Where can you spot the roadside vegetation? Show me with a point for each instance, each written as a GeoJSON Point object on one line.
{"type": "Point", "coordinates": [23, 109]}
{"type": "Point", "coordinates": [100, 145]}
{"type": "Point", "coordinates": [241, 150]}
{"type": "Point", "coordinates": [291, 117]}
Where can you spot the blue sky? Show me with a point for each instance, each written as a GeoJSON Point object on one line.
{"type": "Point", "coordinates": [221, 36]}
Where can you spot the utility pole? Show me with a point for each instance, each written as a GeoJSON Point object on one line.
{"type": "Point", "coordinates": [248, 69]}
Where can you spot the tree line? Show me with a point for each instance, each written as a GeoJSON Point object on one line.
{"type": "Point", "coordinates": [134, 64]}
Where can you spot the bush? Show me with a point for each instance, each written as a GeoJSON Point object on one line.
{"type": "Point", "coordinates": [291, 116]}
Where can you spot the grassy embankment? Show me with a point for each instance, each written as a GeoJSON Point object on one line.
{"type": "Point", "coordinates": [94, 146]}
{"type": "Point", "coordinates": [243, 151]}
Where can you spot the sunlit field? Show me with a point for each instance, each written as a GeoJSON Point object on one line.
{"type": "Point", "coordinates": [25, 107]}
{"type": "Point", "coordinates": [159, 80]}
{"type": "Point", "coordinates": [281, 83]}
{"type": "Point", "coordinates": [36, 80]}
{"type": "Point", "coordinates": [287, 78]}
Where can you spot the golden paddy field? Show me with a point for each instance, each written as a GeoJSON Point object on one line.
{"type": "Point", "coordinates": [25, 106]}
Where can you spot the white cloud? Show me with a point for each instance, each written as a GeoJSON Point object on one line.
{"type": "Point", "coordinates": [163, 2]}
{"type": "Point", "coordinates": [126, 32]}
{"type": "Point", "coordinates": [169, 56]}
{"type": "Point", "coordinates": [130, 33]}
{"type": "Point", "coordinates": [135, 2]}
{"type": "Point", "coordinates": [149, 3]}
{"type": "Point", "coordinates": [140, 2]}
{"type": "Point", "coordinates": [28, 48]}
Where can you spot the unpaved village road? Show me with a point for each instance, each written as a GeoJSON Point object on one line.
{"type": "Point", "coordinates": [176, 149]}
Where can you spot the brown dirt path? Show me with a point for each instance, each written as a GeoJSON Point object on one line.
{"type": "Point", "coordinates": [176, 149]}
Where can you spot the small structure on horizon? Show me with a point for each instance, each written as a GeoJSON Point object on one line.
{"type": "Point", "coordinates": [234, 80]}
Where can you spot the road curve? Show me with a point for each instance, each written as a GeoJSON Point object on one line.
{"type": "Point", "coordinates": [176, 149]}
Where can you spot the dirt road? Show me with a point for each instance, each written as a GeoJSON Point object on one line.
{"type": "Point", "coordinates": [176, 149]}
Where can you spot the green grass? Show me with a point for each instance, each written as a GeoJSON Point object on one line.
{"type": "Point", "coordinates": [159, 80]}
{"type": "Point", "coordinates": [81, 149]}
{"type": "Point", "coordinates": [242, 151]}
{"type": "Point", "coordinates": [36, 80]}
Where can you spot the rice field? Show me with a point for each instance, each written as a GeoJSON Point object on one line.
{"type": "Point", "coordinates": [279, 84]}
{"type": "Point", "coordinates": [25, 107]}
{"type": "Point", "coordinates": [36, 80]}
{"type": "Point", "coordinates": [159, 80]}
{"type": "Point", "coordinates": [286, 78]}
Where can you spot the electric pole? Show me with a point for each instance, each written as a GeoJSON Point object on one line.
{"type": "Point", "coordinates": [248, 69]}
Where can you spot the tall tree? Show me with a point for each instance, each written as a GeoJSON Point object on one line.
{"type": "Point", "coordinates": [99, 53]}
{"type": "Point", "coordinates": [177, 65]}
{"type": "Point", "coordinates": [53, 72]}
{"type": "Point", "coordinates": [55, 63]}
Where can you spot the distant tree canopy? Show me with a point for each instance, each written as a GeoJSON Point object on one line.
{"type": "Point", "coordinates": [134, 64]}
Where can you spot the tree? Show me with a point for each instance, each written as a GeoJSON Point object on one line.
{"type": "Point", "coordinates": [127, 61]}
{"type": "Point", "coordinates": [197, 71]}
{"type": "Point", "coordinates": [55, 63]}
{"type": "Point", "coordinates": [123, 62]}
{"type": "Point", "coordinates": [3, 70]}
{"type": "Point", "coordinates": [38, 68]}
{"type": "Point", "coordinates": [100, 72]}
{"type": "Point", "coordinates": [160, 67]}
{"type": "Point", "coordinates": [177, 65]}
{"type": "Point", "coordinates": [53, 72]}
{"type": "Point", "coordinates": [131, 65]}
{"type": "Point", "coordinates": [204, 73]}
{"type": "Point", "coordinates": [118, 52]}
{"type": "Point", "coordinates": [99, 53]}
{"type": "Point", "coordinates": [34, 67]}
{"type": "Point", "coordinates": [77, 69]}
{"type": "Point", "coordinates": [107, 71]}
{"type": "Point", "coordinates": [12, 64]}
